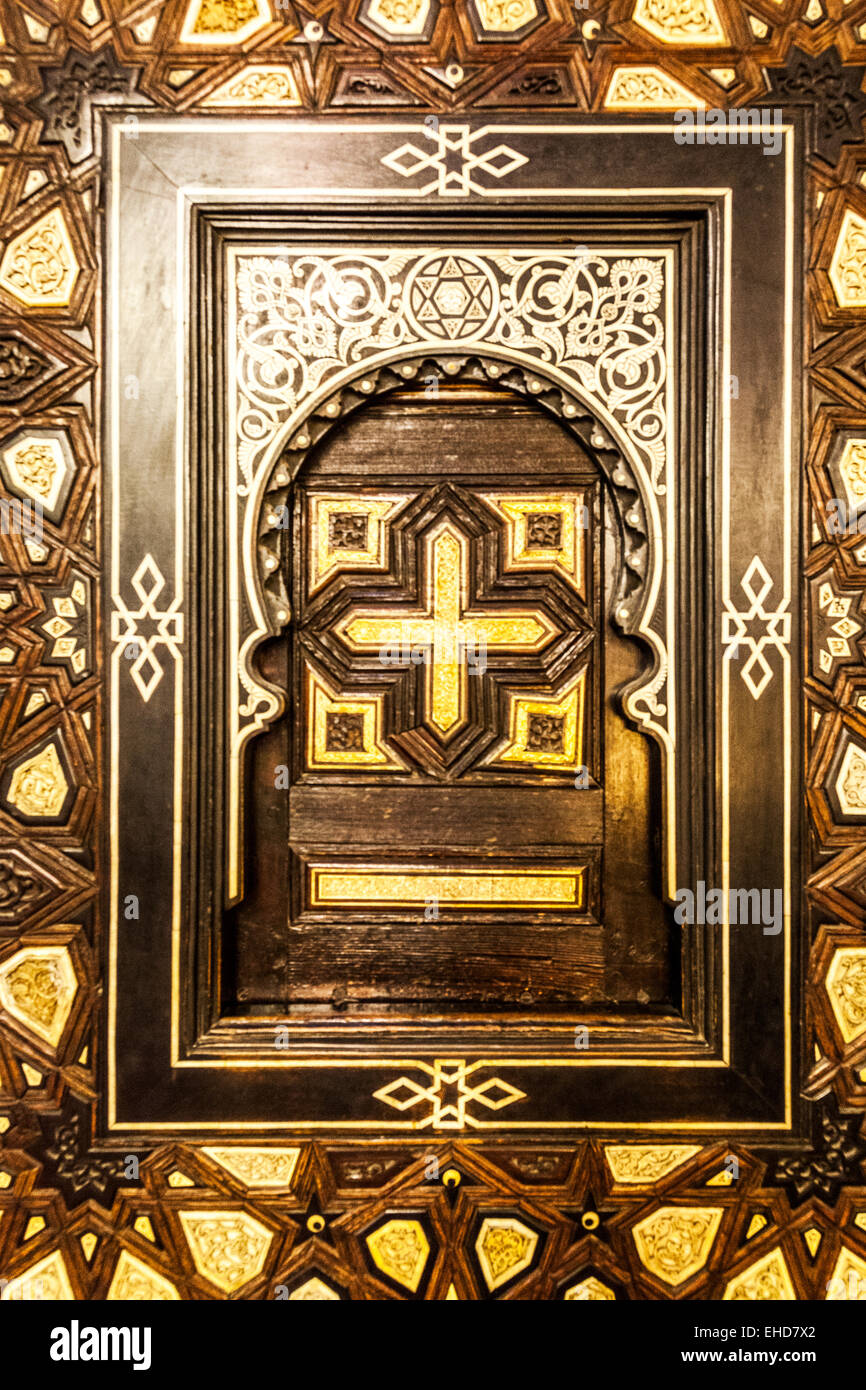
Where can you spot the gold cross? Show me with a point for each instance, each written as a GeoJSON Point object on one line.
{"type": "Point", "coordinates": [450, 635]}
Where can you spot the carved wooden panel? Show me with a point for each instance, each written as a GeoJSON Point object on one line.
{"type": "Point", "coordinates": [431, 1214]}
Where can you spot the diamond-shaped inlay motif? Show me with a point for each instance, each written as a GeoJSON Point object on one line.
{"type": "Point", "coordinates": [140, 632]}
{"type": "Point", "coordinates": [38, 464]}
{"type": "Point", "coordinates": [400, 1249]}
{"type": "Point", "coordinates": [848, 266]}
{"type": "Point", "coordinates": [39, 267]}
{"type": "Point", "coordinates": [228, 1247]}
{"type": "Point", "coordinates": [756, 628]}
{"type": "Point", "coordinates": [448, 1097]}
{"type": "Point", "coordinates": [37, 987]}
{"type": "Point", "coordinates": [846, 990]}
{"type": "Point", "coordinates": [674, 1243]}
{"type": "Point", "coordinates": [505, 1248]}
{"type": "Point", "coordinates": [456, 156]}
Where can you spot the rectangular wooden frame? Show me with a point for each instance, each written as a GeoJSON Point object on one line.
{"type": "Point", "coordinates": [224, 1077]}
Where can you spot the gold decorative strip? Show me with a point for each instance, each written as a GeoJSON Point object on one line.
{"type": "Point", "coordinates": [378, 886]}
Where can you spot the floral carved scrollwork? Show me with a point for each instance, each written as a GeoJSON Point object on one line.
{"type": "Point", "coordinates": [305, 319]}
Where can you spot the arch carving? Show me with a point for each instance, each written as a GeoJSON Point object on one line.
{"type": "Point", "coordinates": [297, 374]}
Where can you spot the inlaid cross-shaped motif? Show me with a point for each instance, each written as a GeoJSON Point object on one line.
{"type": "Point", "coordinates": [449, 637]}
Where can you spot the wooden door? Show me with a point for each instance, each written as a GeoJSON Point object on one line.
{"type": "Point", "coordinates": [470, 822]}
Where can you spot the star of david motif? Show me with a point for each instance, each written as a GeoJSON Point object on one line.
{"type": "Point", "coordinates": [452, 299]}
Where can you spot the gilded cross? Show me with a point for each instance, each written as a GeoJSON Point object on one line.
{"type": "Point", "coordinates": [445, 633]}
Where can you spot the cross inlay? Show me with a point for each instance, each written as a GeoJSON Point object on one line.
{"type": "Point", "coordinates": [448, 636]}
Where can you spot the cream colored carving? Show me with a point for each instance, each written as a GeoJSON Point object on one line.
{"type": "Point", "coordinates": [674, 1243]}
{"type": "Point", "coordinates": [646, 1163]}
{"type": "Point", "coordinates": [505, 1248]}
{"type": "Point", "coordinates": [228, 1247]}
{"type": "Point", "coordinates": [256, 1167]}
{"type": "Point", "coordinates": [135, 1281]}
{"type": "Point", "coordinates": [650, 89]}
{"type": "Point", "coordinates": [39, 267]}
{"type": "Point", "coordinates": [37, 987]}
{"type": "Point", "coordinates": [681, 21]}
{"type": "Point", "coordinates": [258, 85]}
{"type": "Point", "coordinates": [846, 990]}
{"type": "Point", "coordinates": [767, 1280]}
{"type": "Point", "coordinates": [505, 16]}
{"type": "Point", "coordinates": [848, 266]}
{"type": "Point", "coordinates": [38, 787]}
